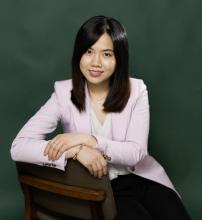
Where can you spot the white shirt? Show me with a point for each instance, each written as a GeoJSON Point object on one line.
{"type": "Point", "coordinates": [104, 130]}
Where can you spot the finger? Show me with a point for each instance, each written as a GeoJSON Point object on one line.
{"type": "Point", "coordinates": [103, 163]}
{"type": "Point", "coordinates": [95, 169]}
{"type": "Point", "coordinates": [90, 169]}
{"type": "Point", "coordinates": [49, 145]}
{"type": "Point", "coordinates": [105, 170]}
{"type": "Point", "coordinates": [100, 169]}
{"type": "Point", "coordinates": [62, 149]}
{"type": "Point", "coordinates": [47, 148]}
{"type": "Point", "coordinates": [100, 173]}
{"type": "Point", "coordinates": [52, 150]}
{"type": "Point", "coordinates": [56, 150]}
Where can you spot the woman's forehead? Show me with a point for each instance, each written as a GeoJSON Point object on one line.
{"type": "Point", "coordinates": [104, 43]}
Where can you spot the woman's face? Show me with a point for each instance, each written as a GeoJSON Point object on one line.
{"type": "Point", "coordinates": [98, 63]}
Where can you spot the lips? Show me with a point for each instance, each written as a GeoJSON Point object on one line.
{"type": "Point", "coordinates": [95, 73]}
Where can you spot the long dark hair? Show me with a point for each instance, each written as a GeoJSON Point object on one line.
{"type": "Point", "coordinates": [119, 85]}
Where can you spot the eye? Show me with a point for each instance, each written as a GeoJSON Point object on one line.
{"type": "Point", "coordinates": [107, 54]}
{"type": "Point", "coordinates": [89, 51]}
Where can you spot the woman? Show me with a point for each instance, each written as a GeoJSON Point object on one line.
{"type": "Point", "coordinates": [105, 117]}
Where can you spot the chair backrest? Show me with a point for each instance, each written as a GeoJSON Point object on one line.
{"type": "Point", "coordinates": [75, 175]}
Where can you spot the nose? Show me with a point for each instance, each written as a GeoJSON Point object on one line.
{"type": "Point", "coordinates": [96, 60]}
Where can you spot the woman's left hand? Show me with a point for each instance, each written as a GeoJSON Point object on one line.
{"type": "Point", "coordinates": [62, 142]}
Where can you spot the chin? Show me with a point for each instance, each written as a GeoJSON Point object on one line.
{"type": "Point", "coordinates": [95, 81]}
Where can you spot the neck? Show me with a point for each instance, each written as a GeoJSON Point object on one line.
{"type": "Point", "coordinates": [98, 90]}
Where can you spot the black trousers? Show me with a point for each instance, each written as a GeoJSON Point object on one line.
{"type": "Point", "coordinates": [138, 198]}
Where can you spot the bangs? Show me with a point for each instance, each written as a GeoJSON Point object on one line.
{"type": "Point", "coordinates": [89, 33]}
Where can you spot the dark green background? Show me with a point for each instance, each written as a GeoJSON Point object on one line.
{"type": "Point", "coordinates": [165, 36]}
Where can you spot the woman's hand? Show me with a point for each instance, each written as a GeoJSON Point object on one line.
{"type": "Point", "coordinates": [93, 160]}
{"type": "Point", "coordinates": [62, 142]}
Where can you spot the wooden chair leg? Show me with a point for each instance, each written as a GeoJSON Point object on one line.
{"type": "Point", "coordinates": [96, 211]}
{"type": "Point", "coordinates": [30, 210]}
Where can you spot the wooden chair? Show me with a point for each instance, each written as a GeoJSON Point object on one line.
{"type": "Point", "coordinates": [51, 194]}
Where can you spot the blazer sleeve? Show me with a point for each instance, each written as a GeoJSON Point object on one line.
{"type": "Point", "coordinates": [29, 144]}
{"type": "Point", "coordinates": [134, 148]}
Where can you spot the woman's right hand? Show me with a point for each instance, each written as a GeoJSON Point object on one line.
{"type": "Point", "coordinates": [91, 158]}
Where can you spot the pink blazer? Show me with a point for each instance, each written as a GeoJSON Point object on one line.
{"type": "Point", "coordinates": [130, 130]}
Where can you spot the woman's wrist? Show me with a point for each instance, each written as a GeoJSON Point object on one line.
{"type": "Point", "coordinates": [77, 153]}
{"type": "Point", "coordinates": [71, 152]}
{"type": "Point", "coordinates": [91, 141]}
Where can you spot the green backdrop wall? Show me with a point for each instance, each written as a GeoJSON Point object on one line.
{"type": "Point", "coordinates": [36, 42]}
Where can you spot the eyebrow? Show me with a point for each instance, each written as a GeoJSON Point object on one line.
{"type": "Point", "coordinates": [105, 50]}
{"type": "Point", "coordinates": [108, 50]}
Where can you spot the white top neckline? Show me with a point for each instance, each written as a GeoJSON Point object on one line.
{"type": "Point", "coordinates": [95, 117]}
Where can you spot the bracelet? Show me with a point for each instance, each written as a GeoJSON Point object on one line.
{"type": "Point", "coordinates": [76, 154]}
{"type": "Point", "coordinates": [106, 157]}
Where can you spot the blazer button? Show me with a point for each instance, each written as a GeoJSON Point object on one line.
{"type": "Point", "coordinates": [132, 169]}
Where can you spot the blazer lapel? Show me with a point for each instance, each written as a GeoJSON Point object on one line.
{"type": "Point", "coordinates": [82, 120]}
{"type": "Point", "coordinates": [119, 125]}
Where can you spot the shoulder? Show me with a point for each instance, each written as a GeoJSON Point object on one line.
{"type": "Point", "coordinates": [137, 86]}
{"type": "Point", "coordinates": [62, 90]}
{"type": "Point", "coordinates": [63, 84]}
{"type": "Point", "coordinates": [139, 93]}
